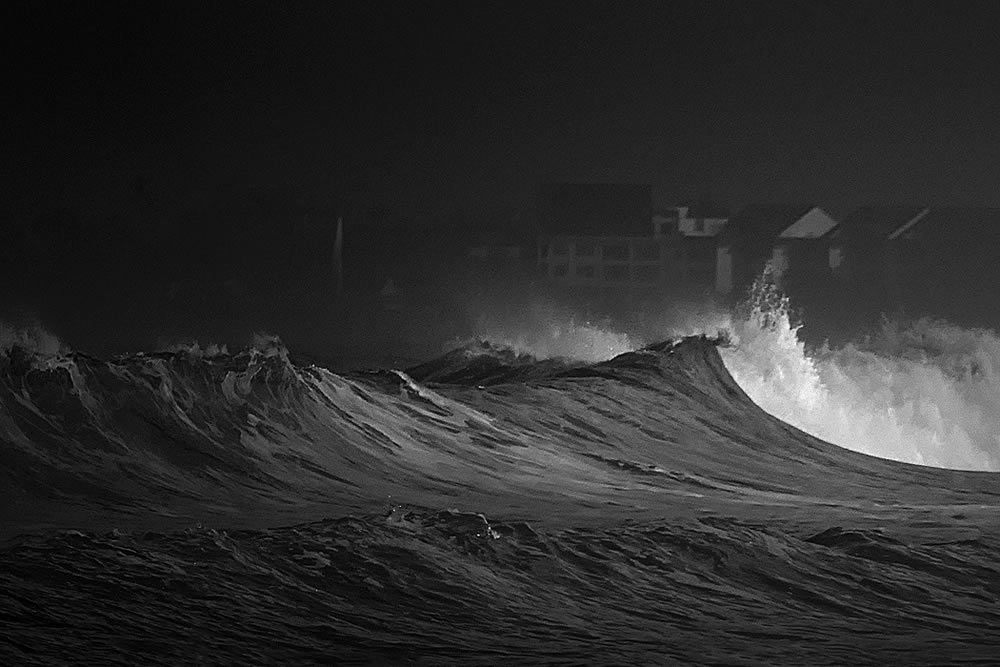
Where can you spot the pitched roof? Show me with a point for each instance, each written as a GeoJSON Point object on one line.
{"type": "Point", "coordinates": [608, 209]}
{"type": "Point", "coordinates": [874, 223]}
{"type": "Point", "coordinates": [950, 223]}
{"type": "Point", "coordinates": [815, 224]}
{"type": "Point", "coordinates": [763, 222]}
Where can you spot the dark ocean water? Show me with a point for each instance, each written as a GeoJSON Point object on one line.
{"type": "Point", "coordinates": [482, 508]}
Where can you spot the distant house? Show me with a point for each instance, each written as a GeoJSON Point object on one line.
{"type": "Point", "coordinates": [598, 236]}
{"type": "Point", "coordinates": [859, 257]}
{"type": "Point", "coordinates": [703, 219]}
{"type": "Point", "coordinates": [787, 235]}
{"type": "Point", "coordinates": [603, 261]}
{"type": "Point", "coordinates": [944, 262]}
{"type": "Point", "coordinates": [692, 230]}
{"type": "Point", "coordinates": [604, 243]}
{"type": "Point", "coordinates": [857, 248]}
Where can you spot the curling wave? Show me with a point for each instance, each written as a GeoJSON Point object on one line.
{"type": "Point", "coordinates": [484, 507]}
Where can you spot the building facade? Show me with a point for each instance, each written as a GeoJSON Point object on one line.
{"type": "Point", "coordinates": [789, 236]}
{"type": "Point", "coordinates": [627, 255]}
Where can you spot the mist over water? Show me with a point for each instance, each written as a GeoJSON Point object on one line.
{"type": "Point", "coordinates": [546, 331]}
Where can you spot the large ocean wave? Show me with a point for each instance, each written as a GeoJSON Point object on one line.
{"type": "Point", "coordinates": [524, 502]}
{"type": "Point", "coordinates": [921, 391]}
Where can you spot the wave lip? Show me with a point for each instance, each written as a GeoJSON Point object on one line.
{"type": "Point", "coordinates": [484, 363]}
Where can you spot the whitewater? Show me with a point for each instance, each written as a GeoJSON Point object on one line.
{"type": "Point", "coordinates": [574, 496]}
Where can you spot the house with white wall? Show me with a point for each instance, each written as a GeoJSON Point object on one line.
{"type": "Point", "coordinates": [787, 235]}
{"type": "Point", "coordinates": [691, 230]}
{"type": "Point", "coordinates": [702, 219]}
{"type": "Point", "coordinates": [799, 253]}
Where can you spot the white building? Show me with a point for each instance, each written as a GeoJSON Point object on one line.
{"type": "Point", "coordinates": [785, 234]}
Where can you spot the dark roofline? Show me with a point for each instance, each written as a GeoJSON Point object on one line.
{"type": "Point", "coordinates": [764, 220]}
{"type": "Point", "coordinates": [874, 222]}
{"type": "Point", "coordinates": [948, 222]}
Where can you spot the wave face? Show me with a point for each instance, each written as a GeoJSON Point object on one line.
{"type": "Point", "coordinates": [484, 507]}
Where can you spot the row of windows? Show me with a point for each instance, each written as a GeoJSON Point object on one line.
{"type": "Point", "coordinates": [615, 251]}
{"type": "Point", "coordinates": [610, 273]}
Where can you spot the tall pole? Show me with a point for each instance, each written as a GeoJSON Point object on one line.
{"type": "Point", "coordinates": [338, 260]}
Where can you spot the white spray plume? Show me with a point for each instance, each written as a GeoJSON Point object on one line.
{"type": "Point", "coordinates": [927, 393]}
{"type": "Point", "coordinates": [547, 332]}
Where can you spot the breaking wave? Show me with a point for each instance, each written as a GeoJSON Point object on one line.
{"type": "Point", "coordinates": [924, 392]}
{"type": "Point", "coordinates": [546, 331]}
{"type": "Point", "coordinates": [489, 506]}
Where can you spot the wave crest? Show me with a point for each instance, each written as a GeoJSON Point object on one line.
{"type": "Point", "coordinates": [925, 391]}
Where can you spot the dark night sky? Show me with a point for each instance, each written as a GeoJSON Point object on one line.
{"type": "Point", "coordinates": [432, 109]}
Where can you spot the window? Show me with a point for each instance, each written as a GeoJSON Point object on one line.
{"type": "Point", "coordinates": [836, 258]}
{"type": "Point", "coordinates": [616, 273]}
{"type": "Point", "coordinates": [560, 248]}
{"type": "Point", "coordinates": [585, 271]}
{"type": "Point", "coordinates": [558, 270]}
{"type": "Point", "coordinates": [615, 251]}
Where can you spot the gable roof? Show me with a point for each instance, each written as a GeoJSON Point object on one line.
{"type": "Point", "coordinates": [948, 224]}
{"type": "Point", "coordinates": [816, 223]}
{"type": "Point", "coordinates": [601, 209]}
{"type": "Point", "coordinates": [871, 223]}
{"type": "Point", "coordinates": [763, 222]}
